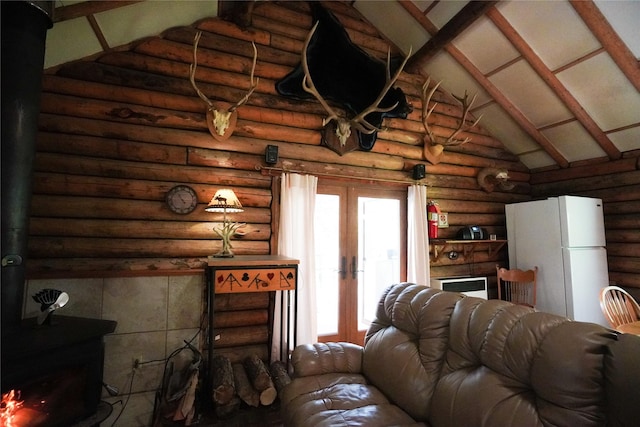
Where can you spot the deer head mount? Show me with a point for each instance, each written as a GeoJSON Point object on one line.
{"type": "Point", "coordinates": [354, 88]}
{"type": "Point", "coordinates": [344, 124]}
{"type": "Point", "coordinates": [221, 116]}
{"type": "Point", "coordinates": [434, 144]}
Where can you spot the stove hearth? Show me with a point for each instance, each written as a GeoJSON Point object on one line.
{"type": "Point", "coordinates": [52, 374]}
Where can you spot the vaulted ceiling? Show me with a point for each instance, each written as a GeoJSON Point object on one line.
{"type": "Point", "coordinates": [558, 82]}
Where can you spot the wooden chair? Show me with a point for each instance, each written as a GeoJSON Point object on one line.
{"type": "Point", "coordinates": [517, 286]}
{"type": "Point", "coordinates": [618, 306]}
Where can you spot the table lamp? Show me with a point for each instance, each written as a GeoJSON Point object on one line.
{"type": "Point", "coordinates": [225, 201]}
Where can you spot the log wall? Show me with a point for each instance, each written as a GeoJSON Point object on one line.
{"type": "Point", "coordinates": [117, 132]}
{"type": "Point", "coordinates": [617, 183]}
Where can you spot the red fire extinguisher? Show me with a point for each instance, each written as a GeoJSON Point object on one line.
{"type": "Point", "coordinates": [433, 211]}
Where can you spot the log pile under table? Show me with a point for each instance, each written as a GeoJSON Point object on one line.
{"type": "Point", "coordinates": [251, 383]}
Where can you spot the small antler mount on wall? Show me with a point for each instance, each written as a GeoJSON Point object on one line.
{"type": "Point", "coordinates": [434, 144]}
{"type": "Point", "coordinates": [221, 116]}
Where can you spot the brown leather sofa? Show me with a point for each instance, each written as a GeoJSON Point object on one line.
{"type": "Point", "coordinates": [435, 358]}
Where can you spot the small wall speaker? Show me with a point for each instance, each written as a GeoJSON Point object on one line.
{"type": "Point", "coordinates": [419, 171]}
{"type": "Point", "coordinates": [271, 155]}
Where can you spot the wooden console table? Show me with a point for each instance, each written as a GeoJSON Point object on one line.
{"type": "Point", "coordinates": [254, 273]}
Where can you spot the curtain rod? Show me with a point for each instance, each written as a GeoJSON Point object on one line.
{"type": "Point", "coordinates": [334, 175]}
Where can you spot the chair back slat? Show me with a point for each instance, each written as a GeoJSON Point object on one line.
{"type": "Point", "coordinates": [518, 286]}
{"type": "Point", "coordinates": [618, 306]}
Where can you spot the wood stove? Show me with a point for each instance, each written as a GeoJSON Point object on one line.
{"type": "Point", "coordinates": [55, 370]}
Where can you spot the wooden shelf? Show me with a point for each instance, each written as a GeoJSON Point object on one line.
{"type": "Point", "coordinates": [467, 247]}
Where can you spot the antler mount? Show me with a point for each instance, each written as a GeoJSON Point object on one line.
{"type": "Point", "coordinates": [221, 116]}
{"type": "Point", "coordinates": [434, 145]}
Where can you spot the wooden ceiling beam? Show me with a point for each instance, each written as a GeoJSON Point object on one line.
{"type": "Point", "coordinates": [456, 25]}
{"type": "Point", "coordinates": [609, 39]}
{"type": "Point", "coordinates": [554, 83]}
{"type": "Point", "coordinates": [489, 87]}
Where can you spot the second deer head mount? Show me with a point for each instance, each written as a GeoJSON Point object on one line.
{"type": "Point", "coordinates": [221, 116]}
{"type": "Point", "coordinates": [434, 144]}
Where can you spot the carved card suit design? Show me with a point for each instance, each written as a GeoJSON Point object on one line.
{"type": "Point", "coordinates": [270, 276]}
{"type": "Point", "coordinates": [290, 276]}
{"type": "Point", "coordinates": [220, 279]}
{"type": "Point", "coordinates": [245, 277]}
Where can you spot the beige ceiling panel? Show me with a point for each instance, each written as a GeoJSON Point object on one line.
{"type": "Point", "coordinates": [454, 77]}
{"type": "Point", "coordinates": [70, 40]}
{"type": "Point", "coordinates": [485, 46]}
{"type": "Point", "coordinates": [530, 94]}
{"type": "Point", "coordinates": [624, 17]}
{"type": "Point", "coordinates": [553, 29]}
{"type": "Point", "coordinates": [626, 140]}
{"type": "Point", "coordinates": [501, 126]}
{"type": "Point", "coordinates": [574, 142]}
{"type": "Point", "coordinates": [444, 11]}
{"type": "Point", "coordinates": [395, 23]}
{"type": "Point", "coordinates": [603, 91]}
{"type": "Point", "coordinates": [150, 18]}
{"type": "Point", "coordinates": [537, 159]}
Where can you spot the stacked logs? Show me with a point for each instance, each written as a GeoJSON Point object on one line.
{"type": "Point", "coordinates": [249, 382]}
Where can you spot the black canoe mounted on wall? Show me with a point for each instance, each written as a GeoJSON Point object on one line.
{"type": "Point", "coordinates": [344, 74]}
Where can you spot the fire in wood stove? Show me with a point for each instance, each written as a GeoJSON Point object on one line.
{"type": "Point", "coordinates": [52, 399]}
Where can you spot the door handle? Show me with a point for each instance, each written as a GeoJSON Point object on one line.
{"type": "Point", "coordinates": [343, 268]}
{"type": "Point", "coordinates": [354, 267]}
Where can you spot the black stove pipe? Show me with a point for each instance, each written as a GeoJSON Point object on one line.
{"type": "Point", "coordinates": [24, 30]}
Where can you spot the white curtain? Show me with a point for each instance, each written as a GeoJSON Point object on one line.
{"type": "Point", "coordinates": [296, 240]}
{"type": "Point", "coordinates": [417, 236]}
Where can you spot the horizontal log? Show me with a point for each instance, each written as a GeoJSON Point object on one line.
{"type": "Point", "coordinates": [588, 184]}
{"type": "Point", "coordinates": [141, 229]}
{"type": "Point", "coordinates": [227, 28]}
{"type": "Point", "coordinates": [587, 171]}
{"type": "Point", "coordinates": [625, 279]}
{"type": "Point", "coordinates": [235, 46]}
{"type": "Point", "coordinates": [241, 301]}
{"type": "Point", "coordinates": [230, 319]}
{"type": "Point", "coordinates": [473, 207]}
{"type": "Point", "coordinates": [161, 177]}
{"type": "Point", "coordinates": [624, 221]}
{"type": "Point", "coordinates": [61, 268]}
{"type": "Point", "coordinates": [629, 236]}
{"type": "Point", "coordinates": [624, 264]}
{"type": "Point", "coordinates": [239, 353]}
{"type": "Point", "coordinates": [626, 207]}
{"type": "Point", "coordinates": [76, 185]}
{"type": "Point", "coordinates": [242, 335]}
{"type": "Point", "coordinates": [43, 205]}
{"type": "Point", "coordinates": [623, 249]}
{"type": "Point", "coordinates": [110, 148]}
{"type": "Point", "coordinates": [77, 247]}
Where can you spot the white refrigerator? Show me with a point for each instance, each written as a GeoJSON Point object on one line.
{"type": "Point", "coordinates": [564, 237]}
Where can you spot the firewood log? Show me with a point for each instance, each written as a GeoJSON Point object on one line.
{"type": "Point", "coordinates": [223, 383]}
{"type": "Point", "coordinates": [279, 375]}
{"type": "Point", "coordinates": [260, 378]}
{"type": "Point", "coordinates": [244, 389]}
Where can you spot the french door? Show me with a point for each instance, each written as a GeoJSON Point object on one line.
{"type": "Point", "coordinates": [360, 240]}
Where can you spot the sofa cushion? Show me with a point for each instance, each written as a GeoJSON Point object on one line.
{"type": "Point", "coordinates": [339, 399]}
{"type": "Point", "coordinates": [405, 345]}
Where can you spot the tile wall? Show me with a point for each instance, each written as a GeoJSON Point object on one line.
{"type": "Point", "coordinates": [154, 314]}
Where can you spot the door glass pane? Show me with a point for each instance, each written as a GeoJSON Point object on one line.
{"type": "Point", "coordinates": [378, 253]}
{"type": "Point", "coordinates": [327, 233]}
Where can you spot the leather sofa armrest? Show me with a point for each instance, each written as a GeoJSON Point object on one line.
{"type": "Point", "coordinates": [325, 358]}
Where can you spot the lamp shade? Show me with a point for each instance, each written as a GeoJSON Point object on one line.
{"type": "Point", "coordinates": [224, 200]}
